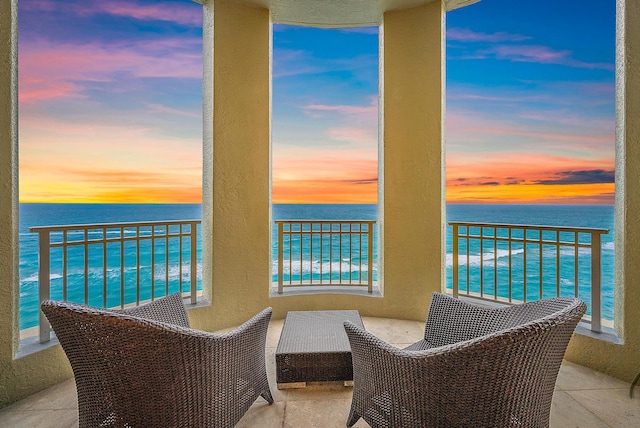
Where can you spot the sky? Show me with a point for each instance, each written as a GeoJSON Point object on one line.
{"type": "Point", "coordinates": [110, 104]}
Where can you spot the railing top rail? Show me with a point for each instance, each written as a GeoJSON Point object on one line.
{"type": "Point", "coordinates": [531, 227]}
{"type": "Point", "coordinates": [326, 221]}
{"type": "Point", "coordinates": [111, 225]}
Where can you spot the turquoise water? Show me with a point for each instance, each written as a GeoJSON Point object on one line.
{"type": "Point", "coordinates": [57, 214]}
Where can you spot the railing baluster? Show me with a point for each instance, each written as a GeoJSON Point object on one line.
{"type": "Point", "coordinates": [468, 261]}
{"type": "Point", "coordinates": [153, 262]}
{"type": "Point", "coordinates": [101, 241]}
{"type": "Point", "coordinates": [122, 267]}
{"type": "Point", "coordinates": [510, 266]}
{"type": "Point", "coordinates": [86, 266]}
{"type": "Point", "coordinates": [481, 261]}
{"type": "Point", "coordinates": [44, 281]}
{"type": "Point", "coordinates": [137, 265]}
{"type": "Point", "coordinates": [558, 290]}
{"type": "Point", "coordinates": [596, 271]}
{"type": "Point", "coordinates": [576, 264]}
{"type": "Point", "coordinates": [524, 270]}
{"type": "Point", "coordinates": [454, 260]}
{"type": "Point", "coordinates": [540, 267]}
{"type": "Point", "coordinates": [193, 271]}
{"type": "Point", "coordinates": [65, 267]}
{"type": "Point", "coordinates": [280, 256]}
{"type": "Point", "coordinates": [348, 238]}
{"type": "Point", "coordinates": [104, 267]}
{"type": "Point", "coordinates": [495, 263]}
{"type": "Point", "coordinates": [539, 242]}
{"type": "Point", "coordinates": [166, 260]}
{"type": "Point", "coordinates": [370, 257]}
{"type": "Point", "coordinates": [180, 239]}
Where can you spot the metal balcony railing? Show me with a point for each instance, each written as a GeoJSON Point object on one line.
{"type": "Point", "coordinates": [516, 263]}
{"type": "Point", "coordinates": [119, 263]}
{"type": "Point", "coordinates": [325, 252]}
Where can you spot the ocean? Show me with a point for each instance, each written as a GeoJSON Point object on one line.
{"type": "Point", "coordinates": [596, 216]}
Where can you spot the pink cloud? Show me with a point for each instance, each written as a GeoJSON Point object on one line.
{"type": "Point", "coordinates": [514, 168]}
{"type": "Point", "coordinates": [466, 35]}
{"type": "Point", "coordinates": [158, 108]}
{"type": "Point", "coordinates": [66, 66]}
{"type": "Point", "coordinates": [34, 89]}
{"type": "Point", "coordinates": [180, 14]}
{"type": "Point", "coordinates": [537, 54]}
{"type": "Point", "coordinates": [184, 14]}
{"type": "Point", "coordinates": [344, 109]}
{"type": "Point", "coordinates": [367, 136]}
{"type": "Point", "coordinates": [586, 135]}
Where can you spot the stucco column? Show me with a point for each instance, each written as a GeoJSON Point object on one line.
{"type": "Point", "coordinates": [412, 155]}
{"type": "Point", "coordinates": [19, 376]}
{"type": "Point", "coordinates": [236, 200]}
{"type": "Point", "coordinates": [8, 177]}
{"type": "Point", "coordinates": [623, 360]}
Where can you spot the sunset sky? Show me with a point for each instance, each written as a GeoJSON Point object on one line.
{"type": "Point", "coordinates": [110, 104]}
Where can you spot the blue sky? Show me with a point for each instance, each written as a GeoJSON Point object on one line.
{"type": "Point", "coordinates": [110, 93]}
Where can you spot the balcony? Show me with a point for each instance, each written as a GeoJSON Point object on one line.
{"type": "Point", "coordinates": [583, 397]}
{"type": "Point", "coordinates": [236, 258]}
{"type": "Point", "coordinates": [318, 255]}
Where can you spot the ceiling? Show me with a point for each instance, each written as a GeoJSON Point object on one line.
{"type": "Point", "coordinates": [338, 13]}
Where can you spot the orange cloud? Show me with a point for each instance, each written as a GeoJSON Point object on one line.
{"type": "Point", "coordinates": [110, 186]}
{"type": "Point", "coordinates": [318, 178]}
{"type": "Point", "coordinates": [533, 193]}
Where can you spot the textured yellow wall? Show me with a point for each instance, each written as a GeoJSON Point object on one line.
{"type": "Point", "coordinates": [623, 361]}
{"type": "Point", "coordinates": [412, 176]}
{"type": "Point", "coordinates": [413, 159]}
{"type": "Point", "coordinates": [18, 378]}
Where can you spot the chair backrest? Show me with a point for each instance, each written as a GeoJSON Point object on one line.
{"type": "Point", "coordinates": [169, 309]}
{"type": "Point", "coordinates": [118, 360]}
{"type": "Point", "coordinates": [452, 320]}
{"type": "Point", "coordinates": [132, 371]}
{"type": "Point", "coordinates": [505, 377]}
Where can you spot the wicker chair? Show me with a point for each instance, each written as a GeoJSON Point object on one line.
{"type": "Point", "coordinates": [475, 367]}
{"type": "Point", "coordinates": [143, 367]}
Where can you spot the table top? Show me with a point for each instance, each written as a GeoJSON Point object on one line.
{"type": "Point", "coordinates": [316, 331]}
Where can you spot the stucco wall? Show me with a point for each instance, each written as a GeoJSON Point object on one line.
{"type": "Point", "coordinates": [623, 361]}
{"type": "Point", "coordinates": [411, 176]}
{"type": "Point", "coordinates": [18, 378]}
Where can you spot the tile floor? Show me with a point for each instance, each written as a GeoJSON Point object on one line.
{"type": "Point", "coordinates": [583, 398]}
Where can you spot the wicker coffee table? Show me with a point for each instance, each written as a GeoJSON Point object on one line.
{"type": "Point", "coordinates": [314, 347]}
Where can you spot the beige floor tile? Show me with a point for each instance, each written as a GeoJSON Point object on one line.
{"type": "Point", "coordinates": [39, 419]}
{"type": "Point", "coordinates": [273, 333]}
{"type": "Point", "coordinates": [320, 413]}
{"type": "Point", "coordinates": [58, 397]}
{"type": "Point", "coordinates": [613, 406]}
{"type": "Point", "coordinates": [573, 377]}
{"type": "Point", "coordinates": [278, 395]}
{"type": "Point", "coordinates": [583, 398]}
{"type": "Point", "coordinates": [580, 377]}
{"type": "Point", "coordinates": [568, 413]}
{"type": "Point", "coordinates": [321, 391]}
{"type": "Point", "coordinates": [395, 331]}
{"type": "Point", "coordinates": [263, 415]}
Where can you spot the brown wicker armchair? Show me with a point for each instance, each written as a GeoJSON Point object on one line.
{"type": "Point", "coordinates": [479, 367]}
{"type": "Point", "coordinates": [143, 367]}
